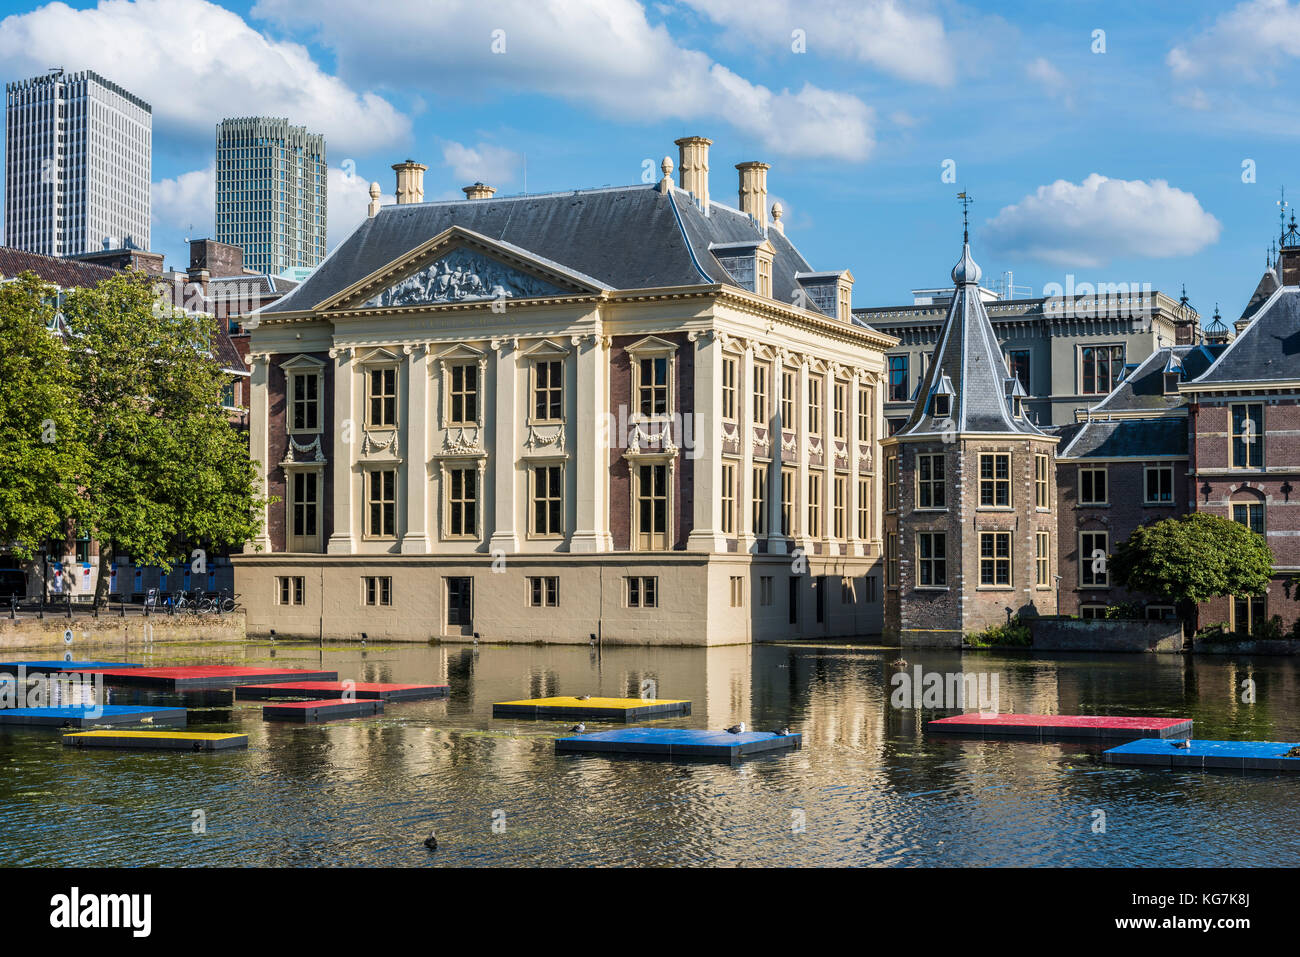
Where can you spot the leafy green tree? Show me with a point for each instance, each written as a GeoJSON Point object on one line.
{"type": "Point", "coordinates": [41, 455]}
{"type": "Point", "coordinates": [1191, 559]}
{"type": "Point", "coordinates": [165, 470]}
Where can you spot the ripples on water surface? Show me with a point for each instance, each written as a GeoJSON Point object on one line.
{"type": "Point", "coordinates": [873, 788]}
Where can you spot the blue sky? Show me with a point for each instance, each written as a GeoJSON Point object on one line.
{"type": "Point", "coordinates": [1115, 156]}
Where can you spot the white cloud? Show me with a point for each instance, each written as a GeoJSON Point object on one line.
{"type": "Point", "coordinates": [483, 163]}
{"type": "Point", "coordinates": [348, 200]}
{"type": "Point", "coordinates": [195, 62]}
{"type": "Point", "coordinates": [1100, 219]}
{"type": "Point", "coordinates": [602, 54]}
{"type": "Point", "coordinates": [1249, 41]}
{"type": "Point", "coordinates": [188, 202]}
{"type": "Point", "coordinates": [1050, 80]}
{"type": "Point", "coordinates": [891, 36]}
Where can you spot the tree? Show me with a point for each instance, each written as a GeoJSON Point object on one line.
{"type": "Point", "coordinates": [1193, 558]}
{"type": "Point", "coordinates": [165, 470]}
{"type": "Point", "coordinates": [40, 452]}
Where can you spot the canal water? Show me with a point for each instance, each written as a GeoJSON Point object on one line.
{"type": "Point", "coordinates": [870, 786]}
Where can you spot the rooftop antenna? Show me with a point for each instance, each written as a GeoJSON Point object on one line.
{"type": "Point", "coordinates": [965, 218]}
{"type": "Point", "coordinates": [1281, 205]}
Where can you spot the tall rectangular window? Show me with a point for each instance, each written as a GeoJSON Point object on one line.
{"type": "Point", "coordinates": [1093, 559]}
{"type": "Point", "coordinates": [760, 499]}
{"type": "Point", "coordinates": [789, 386]}
{"type": "Point", "coordinates": [304, 509]}
{"type": "Point", "coordinates": [737, 591]}
{"type": "Point", "coordinates": [891, 559]}
{"type": "Point", "coordinates": [463, 395]}
{"type": "Point", "coordinates": [1018, 365]}
{"type": "Point", "coordinates": [1250, 514]}
{"type": "Point", "coordinates": [766, 591]}
{"type": "Point", "coordinates": [814, 505]}
{"type": "Point", "coordinates": [652, 507]}
{"type": "Point", "coordinates": [548, 391]}
{"type": "Point", "coordinates": [1159, 481]}
{"type": "Point", "coordinates": [729, 367]}
{"type": "Point", "coordinates": [787, 502]}
{"type": "Point", "coordinates": [864, 508]}
{"type": "Point", "coordinates": [462, 503]}
{"type": "Point", "coordinates": [652, 385]}
{"type": "Point", "coordinates": [839, 410]}
{"type": "Point", "coordinates": [814, 405]}
{"type": "Point", "coordinates": [930, 481]}
{"type": "Point", "coordinates": [1248, 613]}
{"type": "Point", "coordinates": [932, 560]}
{"type": "Point", "coordinates": [548, 500]}
{"type": "Point", "coordinates": [1042, 559]}
{"type": "Point", "coordinates": [891, 482]}
{"type": "Point", "coordinates": [995, 558]}
{"type": "Point", "coordinates": [305, 390]}
{"type": "Point", "coordinates": [1247, 435]}
{"type": "Point", "coordinates": [1101, 366]}
{"type": "Point", "coordinates": [1042, 491]}
{"type": "Point", "coordinates": [995, 479]}
{"type": "Point", "coordinates": [1092, 486]}
{"type": "Point", "coordinates": [898, 378]}
{"type": "Point", "coordinates": [760, 395]}
{"type": "Point", "coordinates": [381, 503]}
{"type": "Point", "coordinates": [381, 393]}
{"type": "Point", "coordinates": [864, 416]}
{"type": "Point", "coordinates": [728, 498]}
{"type": "Point", "coordinates": [839, 504]}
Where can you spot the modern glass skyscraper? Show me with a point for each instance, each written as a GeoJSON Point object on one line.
{"type": "Point", "coordinates": [271, 192]}
{"type": "Point", "coordinates": [78, 161]}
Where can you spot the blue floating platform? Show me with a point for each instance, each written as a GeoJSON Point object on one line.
{"type": "Point", "coordinates": [42, 667]}
{"type": "Point", "coordinates": [1229, 755]}
{"type": "Point", "coordinates": [85, 716]}
{"type": "Point", "coordinates": [679, 743]}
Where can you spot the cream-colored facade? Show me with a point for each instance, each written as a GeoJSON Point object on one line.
{"type": "Point", "coordinates": [482, 437]}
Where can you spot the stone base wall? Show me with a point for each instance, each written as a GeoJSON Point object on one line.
{"type": "Point", "coordinates": [108, 633]}
{"type": "Point", "coordinates": [1103, 634]}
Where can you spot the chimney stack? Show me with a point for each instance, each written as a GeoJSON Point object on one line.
{"type": "Point", "coordinates": [410, 182]}
{"type": "Point", "coordinates": [693, 167]}
{"type": "Point", "coordinates": [1288, 258]}
{"type": "Point", "coordinates": [478, 191]}
{"type": "Point", "coordinates": [753, 191]}
{"type": "Point", "coordinates": [373, 209]}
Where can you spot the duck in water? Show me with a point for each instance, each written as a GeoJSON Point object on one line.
{"type": "Point", "coordinates": [431, 842]}
{"type": "Point", "coordinates": [578, 728]}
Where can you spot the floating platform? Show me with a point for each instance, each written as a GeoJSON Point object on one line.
{"type": "Point", "coordinates": [606, 709]}
{"type": "Point", "coordinates": [310, 712]}
{"type": "Point", "coordinates": [1044, 726]}
{"type": "Point", "coordinates": [85, 716]}
{"type": "Point", "coordinates": [45, 667]}
{"type": "Point", "coordinates": [679, 743]}
{"type": "Point", "coordinates": [156, 740]}
{"type": "Point", "coordinates": [204, 677]}
{"type": "Point", "coordinates": [1228, 755]}
{"type": "Point", "coordinates": [361, 689]}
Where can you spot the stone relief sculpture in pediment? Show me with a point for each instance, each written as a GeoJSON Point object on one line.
{"type": "Point", "coordinates": [462, 276]}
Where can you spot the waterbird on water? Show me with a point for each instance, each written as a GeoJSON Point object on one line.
{"type": "Point", "coordinates": [431, 842]}
{"type": "Point", "coordinates": [1182, 744]}
{"type": "Point", "coordinates": [579, 727]}
{"type": "Point", "coordinates": [736, 728]}
{"type": "Point", "coordinates": [898, 663]}
{"type": "Point", "coordinates": [782, 733]}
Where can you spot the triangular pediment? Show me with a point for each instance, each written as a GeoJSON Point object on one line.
{"type": "Point", "coordinates": [460, 266]}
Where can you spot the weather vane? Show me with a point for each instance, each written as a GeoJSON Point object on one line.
{"type": "Point", "coordinates": [965, 220]}
{"type": "Point", "coordinates": [1281, 205]}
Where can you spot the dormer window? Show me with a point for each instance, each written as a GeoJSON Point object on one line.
{"type": "Point", "coordinates": [1171, 383]}
{"type": "Point", "coordinates": [749, 264]}
{"type": "Point", "coordinates": [831, 293]}
{"type": "Point", "coordinates": [941, 407]}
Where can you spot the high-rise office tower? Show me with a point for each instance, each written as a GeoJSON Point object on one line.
{"type": "Point", "coordinates": [271, 191]}
{"type": "Point", "coordinates": [78, 158]}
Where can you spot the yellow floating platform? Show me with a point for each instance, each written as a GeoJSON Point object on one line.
{"type": "Point", "coordinates": [157, 740]}
{"type": "Point", "coordinates": [608, 709]}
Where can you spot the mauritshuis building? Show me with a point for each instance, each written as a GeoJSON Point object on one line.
{"type": "Point", "coordinates": [632, 412]}
{"type": "Point", "coordinates": [272, 193]}
{"type": "Point", "coordinates": [78, 163]}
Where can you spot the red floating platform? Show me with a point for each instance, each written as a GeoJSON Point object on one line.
{"type": "Point", "coordinates": [360, 689]}
{"type": "Point", "coordinates": [204, 677]}
{"type": "Point", "coordinates": [1063, 726]}
{"type": "Point", "coordinates": [309, 712]}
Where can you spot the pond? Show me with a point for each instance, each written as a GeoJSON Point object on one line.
{"type": "Point", "coordinates": [869, 786]}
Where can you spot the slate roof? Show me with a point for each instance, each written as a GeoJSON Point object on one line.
{"type": "Point", "coordinates": [1268, 284]}
{"type": "Point", "coordinates": [1143, 389]}
{"type": "Point", "coordinates": [968, 356]}
{"type": "Point", "coordinates": [1125, 438]}
{"type": "Point", "coordinates": [64, 273]}
{"type": "Point", "coordinates": [628, 237]}
{"type": "Point", "coordinates": [1267, 349]}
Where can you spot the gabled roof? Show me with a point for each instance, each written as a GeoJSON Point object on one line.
{"type": "Point", "coordinates": [64, 273]}
{"type": "Point", "coordinates": [1266, 350]}
{"type": "Point", "coordinates": [1268, 284]}
{"type": "Point", "coordinates": [628, 237]}
{"type": "Point", "coordinates": [969, 358]}
{"type": "Point", "coordinates": [1125, 438]}
{"type": "Point", "coordinates": [1143, 389]}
